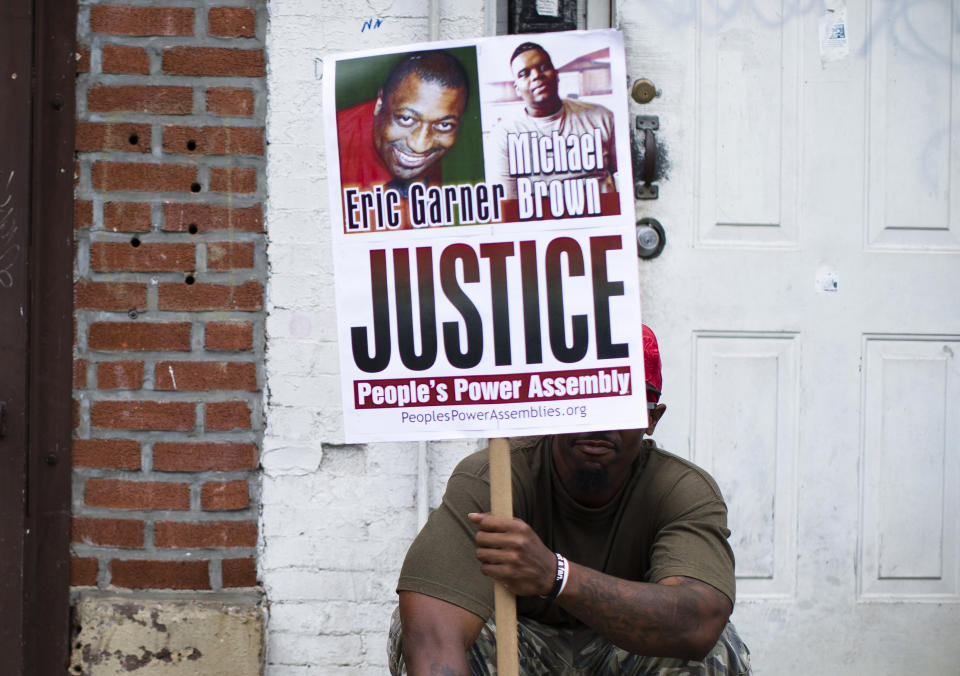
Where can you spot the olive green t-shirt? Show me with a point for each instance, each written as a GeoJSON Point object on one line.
{"type": "Point", "coordinates": [668, 519]}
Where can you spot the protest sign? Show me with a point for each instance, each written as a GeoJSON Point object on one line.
{"type": "Point", "coordinates": [485, 258]}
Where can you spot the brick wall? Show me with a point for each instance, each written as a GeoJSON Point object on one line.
{"type": "Point", "coordinates": [169, 295]}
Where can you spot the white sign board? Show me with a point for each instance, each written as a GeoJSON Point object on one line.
{"type": "Point", "coordinates": [483, 232]}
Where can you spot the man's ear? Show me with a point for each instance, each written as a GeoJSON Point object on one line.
{"type": "Point", "coordinates": [653, 417]}
{"type": "Point", "coordinates": [378, 106]}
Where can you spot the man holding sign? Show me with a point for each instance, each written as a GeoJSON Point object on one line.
{"type": "Point", "coordinates": [618, 556]}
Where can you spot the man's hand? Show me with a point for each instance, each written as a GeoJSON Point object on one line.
{"type": "Point", "coordinates": [513, 555]}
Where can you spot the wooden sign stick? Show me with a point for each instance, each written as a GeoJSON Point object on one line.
{"type": "Point", "coordinates": [504, 603]}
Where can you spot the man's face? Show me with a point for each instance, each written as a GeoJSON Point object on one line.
{"type": "Point", "coordinates": [416, 125]}
{"type": "Point", "coordinates": [593, 466]}
{"type": "Point", "coordinates": [535, 80]}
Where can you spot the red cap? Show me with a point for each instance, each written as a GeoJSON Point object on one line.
{"type": "Point", "coordinates": [651, 365]}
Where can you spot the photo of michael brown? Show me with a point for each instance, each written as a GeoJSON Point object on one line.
{"type": "Point", "coordinates": [547, 126]}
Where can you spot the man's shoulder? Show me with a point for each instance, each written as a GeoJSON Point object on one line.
{"type": "Point", "coordinates": [669, 470]}
{"type": "Point", "coordinates": [476, 464]}
{"type": "Point", "coordinates": [512, 121]}
{"type": "Point", "coordinates": [362, 109]}
{"type": "Point", "coordinates": [581, 107]}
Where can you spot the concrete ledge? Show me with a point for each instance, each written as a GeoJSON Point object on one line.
{"type": "Point", "coordinates": [123, 635]}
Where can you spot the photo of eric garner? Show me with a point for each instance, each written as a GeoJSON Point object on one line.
{"type": "Point", "coordinates": [408, 133]}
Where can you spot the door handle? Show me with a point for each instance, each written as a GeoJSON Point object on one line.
{"type": "Point", "coordinates": [644, 188]}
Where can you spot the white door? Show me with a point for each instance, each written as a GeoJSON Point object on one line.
{"type": "Point", "coordinates": [808, 309]}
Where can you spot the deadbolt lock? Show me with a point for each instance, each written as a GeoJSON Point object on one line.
{"type": "Point", "coordinates": [650, 238]}
{"type": "Point", "coordinates": [643, 91]}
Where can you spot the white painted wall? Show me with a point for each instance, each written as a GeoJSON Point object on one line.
{"type": "Point", "coordinates": [336, 519]}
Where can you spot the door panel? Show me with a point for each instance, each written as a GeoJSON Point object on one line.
{"type": "Point", "coordinates": [910, 481]}
{"type": "Point", "coordinates": [914, 173]}
{"type": "Point", "coordinates": [806, 304]}
{"type": "Point", "coordinates": [745, 434]}
{"type": "Point", "coordinates": [748, 117]}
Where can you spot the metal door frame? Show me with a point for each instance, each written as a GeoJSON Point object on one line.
{"type": "Point", "coordinates": [37, 42]}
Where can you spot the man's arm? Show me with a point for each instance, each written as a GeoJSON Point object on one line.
{"type": "Point", "coordinates": [677, 617]}
{"type": "Point", "coordinates": [436, 635]}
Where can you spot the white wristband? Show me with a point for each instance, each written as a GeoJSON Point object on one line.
{"type": "Point", "coordinates": [566, 570]}
{"type": "Point", "coordinates": [561, 580]}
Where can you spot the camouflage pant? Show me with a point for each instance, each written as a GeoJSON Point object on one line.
{"type": "Point", "coordinates": [552, 651]}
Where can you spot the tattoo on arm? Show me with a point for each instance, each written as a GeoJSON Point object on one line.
{"type": "Point", "coordinates": [444, 670]}
{"type": "Point", "coordinates": [649, 615]}
{"type": "Point", "coordinates": [619, 604]}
